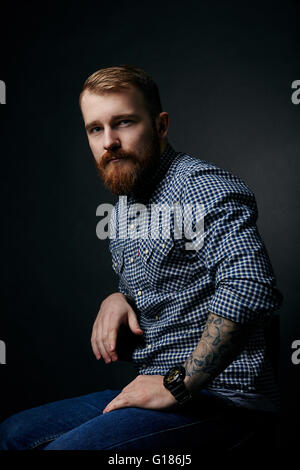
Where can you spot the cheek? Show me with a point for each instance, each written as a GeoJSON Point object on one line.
{"type": "Point", "coordinates": [138, 140]}
{"type": "Point", "coordinates": [95, 149]}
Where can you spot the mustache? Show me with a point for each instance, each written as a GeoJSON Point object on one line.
{"type": "Point", "coordinates": [113, 154]}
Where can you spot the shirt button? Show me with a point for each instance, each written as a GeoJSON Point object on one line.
{"type": "Point", "coordinates": [131, 226]}
{"type": "Point", "coordinates": [163, 245]}
{"type": "Point", "coordinates": [139, 292]}
{"type": "Point", "coordinates": [116, 264]}
{"type": "Point", "coordinates": [149, 345]}
{"type": "Point", "coordinates": [131, 260]}
{"type": "Point", "coordinates": [146, 251]}
{"type": "Point", "coordinates": [156, 317]}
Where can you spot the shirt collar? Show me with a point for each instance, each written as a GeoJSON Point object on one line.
{"type": "Point", "coordinates": [165, 161]}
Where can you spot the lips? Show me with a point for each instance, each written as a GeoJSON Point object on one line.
{"type": "Point", "coordinates": [115, 159]}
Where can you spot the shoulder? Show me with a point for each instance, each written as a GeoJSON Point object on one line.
{"type": "Point", "coordinates": [196, 178]}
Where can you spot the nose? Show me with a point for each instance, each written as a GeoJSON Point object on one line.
{"type": "Point", "coordinates": [111, 139]}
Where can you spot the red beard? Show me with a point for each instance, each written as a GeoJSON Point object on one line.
{"type": "Point", "coordinates": [131, 172]}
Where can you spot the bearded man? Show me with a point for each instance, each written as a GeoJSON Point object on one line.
{"type": "Point", "coordinates": [199, 316]}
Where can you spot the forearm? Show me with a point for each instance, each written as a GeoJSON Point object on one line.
{"type": "Point", "coordinates": [221, 342]}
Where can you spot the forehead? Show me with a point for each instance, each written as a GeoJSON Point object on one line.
{"type": "Point", "coordinates": [106, 105]}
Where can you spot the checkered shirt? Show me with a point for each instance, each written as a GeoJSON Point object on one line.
{"type": "Point", "coordinates": [173, 289]}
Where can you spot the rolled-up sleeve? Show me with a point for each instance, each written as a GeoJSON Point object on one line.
{"type": "Point", "coordinates": [233, 251]}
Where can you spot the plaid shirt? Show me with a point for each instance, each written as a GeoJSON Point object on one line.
{"type": "Point", "coordinates": [173, 289]}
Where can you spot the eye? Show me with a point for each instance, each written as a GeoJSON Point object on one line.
{"type": "Point", "coordinates": [95, 130]}
{"type": "Point", "coordinates": [124, 122]}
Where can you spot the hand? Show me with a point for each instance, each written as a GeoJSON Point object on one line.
{"type": "Point", "coordinates": [145, 391]}
{"type": "Point", "coordinates": [114, 311]}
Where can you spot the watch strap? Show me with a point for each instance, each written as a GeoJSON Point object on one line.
{"type": "Point", "coordinates": [180, 392]}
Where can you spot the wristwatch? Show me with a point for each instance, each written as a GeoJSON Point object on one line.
{"type": "Point", "coordinates": [174, 382]}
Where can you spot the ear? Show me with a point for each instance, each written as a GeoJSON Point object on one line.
{"type": "Point", "coordinates": [162, 124]}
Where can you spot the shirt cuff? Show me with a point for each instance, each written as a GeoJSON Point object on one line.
{"type": "Point", "coordinates": [229, 303]}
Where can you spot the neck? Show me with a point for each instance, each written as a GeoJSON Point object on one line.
{"type": "Point", "coordinates": [163, 146]}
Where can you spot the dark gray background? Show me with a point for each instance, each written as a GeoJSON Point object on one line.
{"type": "Point", "coordinates": [224, 70]}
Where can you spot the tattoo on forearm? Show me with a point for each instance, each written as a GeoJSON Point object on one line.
{"type": "Point", "coordinates": [220, 343]}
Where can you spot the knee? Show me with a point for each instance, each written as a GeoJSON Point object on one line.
{"type": "Point", "coordinates": [12, 432]}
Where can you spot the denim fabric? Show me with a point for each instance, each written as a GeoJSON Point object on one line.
{"type": "Point", "coordinates": [79, 424]}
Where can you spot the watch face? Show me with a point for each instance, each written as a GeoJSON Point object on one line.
{"type": "Point", "coordinates": [173, 375]}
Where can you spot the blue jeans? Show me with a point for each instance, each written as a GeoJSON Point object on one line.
{"type": "Point", "coordinates": [79, 424]}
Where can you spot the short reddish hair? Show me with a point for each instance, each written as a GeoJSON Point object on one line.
{"type": "Point", "coordinates": [122, 77]}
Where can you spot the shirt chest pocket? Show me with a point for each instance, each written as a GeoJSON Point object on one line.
{"type": "Point", "coordinates": [117, 256]}
{"type": "Point", "coordinates": [163, 264]}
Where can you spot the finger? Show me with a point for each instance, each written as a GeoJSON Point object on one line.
{"type": "Point", "coordinates": [95, 348]}
{"type": "Point", "coordinates": [106, 346]}
{"type": "Point", "coordinates": [100, 341]}
{"type": "Point", "coordinates": [104, 353]}
{"type": "Point", "coordinates": [109, 337]}
{"type": "Point", "coordinates": [112, 342]}
{"type": "Point", "coordinates": [119, 402]}
{"type": "Point", "coordinates": [133, 323]}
